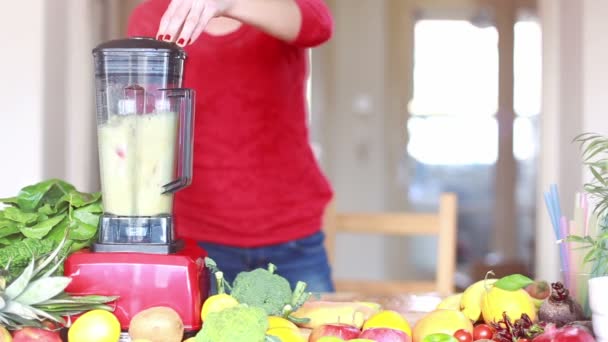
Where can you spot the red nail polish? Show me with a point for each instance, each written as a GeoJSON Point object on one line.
{"type": "Point", "coordinates": [180, 41]}
{"type": "Point", "coordinates": [167, 37]}
{"type": "Point", "coordinates": [160, 37]}
{"type": "Point", "coordinates": [189, 41]}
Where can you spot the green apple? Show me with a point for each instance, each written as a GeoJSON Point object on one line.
{"type": "Point", "coordinates": [439, 337]}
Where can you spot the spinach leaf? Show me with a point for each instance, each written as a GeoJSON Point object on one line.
{"type": "Point", "coordinates": [14, 214]}
{"type": "Point", "coordinates": [47, 209]}
{"type": "Point", "coordinates": [57, 233]}
{"type": "Point", "coordinates": [10, 240]}
{"type": "Point", "coordinates": [49, 191]}
{"type": "Point", "coordinates": [9, 201]}
{"type": "Point", "coordinates": [78, 199]}
{"type": "Point", "coordinates": [41, 229]}
{"type": "Point", "coordinates": [9, 230]}
{"type": "Point", "coordinates": [81, 231]}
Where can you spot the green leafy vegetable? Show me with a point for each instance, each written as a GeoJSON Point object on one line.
{"type": "Point", "coordinates": [48, 211]}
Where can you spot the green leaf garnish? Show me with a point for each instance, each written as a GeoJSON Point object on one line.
{"type": "Point", "coordinates": [513, 282]}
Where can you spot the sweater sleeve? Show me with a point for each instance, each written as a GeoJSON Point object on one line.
{"type": "Point", "coordinates": [143, 21]}
{"type": "Point", "coordinates": [317, 23]}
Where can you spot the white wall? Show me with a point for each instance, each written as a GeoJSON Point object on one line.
{"type": "Point", "coordinates": [21, 94]}
{"type": "Point", "coordinates": [575, 80]}
{"type": "Point", "coordinates": [47, 120]}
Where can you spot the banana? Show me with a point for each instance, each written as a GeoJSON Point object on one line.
{"type": "Point", "coordinates": [470, 303]}
{"type": "Point", "coordinates": [325, 312]}
{"type": "Point", "coordinates": [451, 302]}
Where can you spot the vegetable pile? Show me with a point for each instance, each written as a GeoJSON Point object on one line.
{"type": "Point", "coordinates": [242, 314]}
{"type": "Point", "coordinates": [36, 296]}
{"type": "Point", "coordinates": [36, 220]}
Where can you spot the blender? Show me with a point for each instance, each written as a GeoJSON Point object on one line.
{"type": "Point", "coordinates": [145, 140]}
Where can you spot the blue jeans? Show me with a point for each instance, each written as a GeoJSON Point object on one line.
{"type": "Point", "coordinates": [302, 259]}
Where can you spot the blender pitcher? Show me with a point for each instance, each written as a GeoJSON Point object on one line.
{"type": "Point", "coordinates": [145, 137]}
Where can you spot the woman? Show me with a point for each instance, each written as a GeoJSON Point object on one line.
{"type": "Point", "coordinates": [258, 194]}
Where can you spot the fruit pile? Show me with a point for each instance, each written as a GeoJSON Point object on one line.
{"type": "Point", "coordinates": [261, 306]}
{"type": "Point", "coordinates": [510, 309]}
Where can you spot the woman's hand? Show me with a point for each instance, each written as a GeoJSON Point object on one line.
{"type": "Point", "coordinates": [185, 20]}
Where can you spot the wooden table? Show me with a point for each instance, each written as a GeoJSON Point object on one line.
{"type": "Point", "coordinates": [411, 306]}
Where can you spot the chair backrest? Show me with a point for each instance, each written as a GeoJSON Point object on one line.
{"type": "Point", "coordinates": [442, 223]}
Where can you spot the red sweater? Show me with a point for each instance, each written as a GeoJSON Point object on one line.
{"type": "Point", "coordinates": [256, 181]}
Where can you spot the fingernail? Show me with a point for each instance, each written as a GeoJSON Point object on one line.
{"type": "Point", "coordinates": [189, 41]}
{"type": "Point", "coordinates": [181, 41]}
{"type": "Point", "coordinates": [160, 37]}
{"type": "Point", "coordinates": [167, 37]}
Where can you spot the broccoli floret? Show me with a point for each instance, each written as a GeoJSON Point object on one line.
{"type": "Point", "coordinates": [241, 323]}
{"type": "Point", "coordinates": [269, 291]}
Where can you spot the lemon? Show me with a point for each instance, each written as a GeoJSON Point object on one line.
{"type": "Point", "coordinates": [514, 303]}
{"type": "Point", "coordinates": [280, 322]}
{"type": "Point", "coordinates": [440, 321]}
{"type": "Point", "coordinates": [286, 334]}
{"type": "Point", "coordinates": [217, 302]}
{"type": "Point", "coordinates": [388, 319]}
{"type": "Point", "coordinates": [95, 326]}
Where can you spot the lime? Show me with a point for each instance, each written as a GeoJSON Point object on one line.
{"type": "Point", "coordinates": [439, 337]}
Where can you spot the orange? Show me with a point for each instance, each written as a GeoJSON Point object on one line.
{"type": "Point", "coordinates": [95, 326]}
{"type": "Point", "coordinates": [388, 319]}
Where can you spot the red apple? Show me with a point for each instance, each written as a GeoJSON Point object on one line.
{"type": "Point", "coordinates": [385, 335]}
{"type": "Point", "coordinates": [29, 334]}
{"type": "Point", "coordinates": [344, 331]}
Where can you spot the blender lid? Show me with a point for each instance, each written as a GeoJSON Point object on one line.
{"type": "Point", "coordinates": [146, 45]}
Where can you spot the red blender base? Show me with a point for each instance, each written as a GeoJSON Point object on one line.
{"type": "Point", "coordinates": [179, 281]}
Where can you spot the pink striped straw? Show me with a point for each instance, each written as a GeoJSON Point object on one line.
{"type": "Point", "coordinates": [565, 251]}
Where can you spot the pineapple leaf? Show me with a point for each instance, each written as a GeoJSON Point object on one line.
{"type": "Point", "coordinates": [43, 289]}
{"type": "Point", "coordinates": [57, 318]}
{"type": "Point", "coordinates": [46, 315]}
{"type": "Point", "coordinates": [4, 321]}
{"type": "Point", "coordinates": [21, 310]}
{"type": "Point", "coordinates": [51, 256]}
{"type": "Point", "coordinates": [20, 322]}
{"type": "Point", "coordinates": [19, 284]}
{"type": "Point", "coordinates": [54, 268]}
{"type": "Point", "coordinates": [92, 299]}
{"type": "Point", "coordinates": [2, 303]}
{"type": "Point", "coordinates": [16, 321]}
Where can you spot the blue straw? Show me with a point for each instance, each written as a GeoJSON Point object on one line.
{"type": "Point", "coordinates": [552, 215]}
{"type": "Point", "coordinates": [555, 196]}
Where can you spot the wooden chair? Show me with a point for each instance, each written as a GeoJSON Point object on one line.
{"type": "Point", "coordinates": [442, 224]}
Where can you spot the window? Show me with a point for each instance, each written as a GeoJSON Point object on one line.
{"type": "Point", "coordinates": [453, 130]}
{"type": "Point", "coordinates": [455, 94]}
